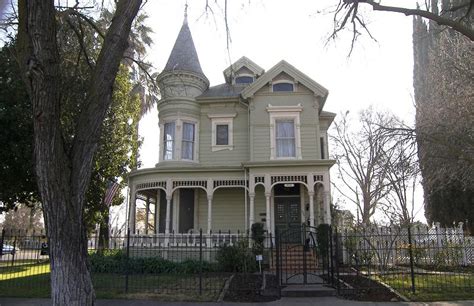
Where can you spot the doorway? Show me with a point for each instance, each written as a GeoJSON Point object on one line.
{"type": "Point", "coordinates": [287, 201]}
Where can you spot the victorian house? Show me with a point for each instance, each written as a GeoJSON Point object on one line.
{"type": "Point", "coordinates": [252, 149]}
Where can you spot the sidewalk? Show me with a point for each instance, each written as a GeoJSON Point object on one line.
{"type": "Point", "coordinates": [330, 301]}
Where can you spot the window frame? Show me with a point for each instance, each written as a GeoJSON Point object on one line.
{"type": "Point", "coordinates": [243, 75]}
{"type": "Point", "coordinates": [193, 142]}
{"type": "Point", "coordinates": [222, 120]}
{"type": "Point", "coordinates": [285, 113]}
{"type": "Point", "coordinates": [283, 81]}
{"type": "Point", "coordinates": [164, 141]}
{"type": "Point", "coordinates": [178, 139]}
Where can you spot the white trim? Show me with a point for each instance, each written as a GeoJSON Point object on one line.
{"type": "Point", "coordinates": [285, 112]}
{"type": "Point", "coordinates": [178, 138]}
{"type": "Point", "coordinates": [222, 120]}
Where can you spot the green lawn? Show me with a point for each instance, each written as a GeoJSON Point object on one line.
{"type": "Point", "coordinates": [33, 280]}
{"type": "Point", "coordinates": [433, 287]}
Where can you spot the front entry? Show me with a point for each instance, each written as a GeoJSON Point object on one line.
{"type": "Point", "coordinates": [287, 208]}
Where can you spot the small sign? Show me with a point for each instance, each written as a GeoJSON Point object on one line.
{"type": "Point", "coordinates": [289, 185]}
{"type": "Point", "coordinates": [259, 257]}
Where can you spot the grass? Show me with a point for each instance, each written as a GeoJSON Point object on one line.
{"type": "Point", "coordinates": [32, 280]}
{"type": "Point", "coordinates": [433, 287]}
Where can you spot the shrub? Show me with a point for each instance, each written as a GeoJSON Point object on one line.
{"type": "Point", "coordinates": [258, 237]}
{"type": "Point", "coordinates": [115, 261]}
{"type": "Point", "coordinates": [236, 258]}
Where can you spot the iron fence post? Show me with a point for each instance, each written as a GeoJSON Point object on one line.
{"type": "Point", "coordinates": [1, 242]}
{"type": "Point", "coordinates": [331, 254]}
{"type": "Point", "coordinates": [200, 261]}
{"type": "Point", "coordinates": [127, 264]}
{"type": "Point", "coordinates": [278, 253]}
{"type": "Point", "coordinates": [337, 260]}
{"type": "Point", "coordinates": [410, 252]}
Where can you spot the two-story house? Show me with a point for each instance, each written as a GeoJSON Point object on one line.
{"type": "Point", "coordinates": [253, 149]}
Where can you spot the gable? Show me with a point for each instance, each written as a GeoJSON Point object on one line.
{"type": "Point", "coordinates": [242, 66]}
{"type": "Point", "coordinates": [286, 71]}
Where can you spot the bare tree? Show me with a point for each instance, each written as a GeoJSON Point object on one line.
{"type": "Point", "coordinates": [360, 152]}
{"type": "Point", "coordinates": [64, 171]}
{"type": "Point", "coordinates": [402, 173]}
{"type": "Point", "coordinates": [350, 14]}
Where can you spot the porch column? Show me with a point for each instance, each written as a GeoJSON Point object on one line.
{"type": "Point", "coordinates": [168, 213]}
{"type": "Point", "coordinates": [157, 211]}
{"type": "Point", "coordinates": [311, 208]}
{"type": "Point", "coordinates": [327, 209]}
{"type": "Point", "coordinates": [268, 221]}
{"type": "Point", "coordinates": [252, 210]}
{"type": "Point", "coordinates": [133, 211]}
{"type": "Point", "coordinates": [209, 213]}
{"type": "Point", "coordinates": [147, 214]}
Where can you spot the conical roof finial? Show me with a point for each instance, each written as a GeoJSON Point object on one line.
{"type": "Point", "coordinates": [186, 13]}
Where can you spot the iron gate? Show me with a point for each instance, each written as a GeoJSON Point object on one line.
{"type": "Point", "coordinates": [304, 255]}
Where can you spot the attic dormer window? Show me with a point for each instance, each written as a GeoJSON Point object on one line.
{"type": "Point", "coordinates": [283, 86]}
{"type": "Point", "coordinates": [244, 79]}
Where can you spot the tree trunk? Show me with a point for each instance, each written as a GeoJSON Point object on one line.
{"type": "Point", "coordinates": [63, 172]}
{"type": "Point", "coordinates": [104, 230]}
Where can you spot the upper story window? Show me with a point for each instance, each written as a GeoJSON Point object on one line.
{"type": "Point", "coordinates": [222, 131]}
{"type": "Point", "coordinates": [187, 146]}
{"type": "Point", "coordinates": [285, 139]}
{"type": "Point", "coordinates": [323, 147]}
{"type": "Point", "coordinates": [283, 86]}
{"type": "Point", "coordinates": [168, 140]}
{"type": "Point", "coordinates": [244, 79]}
{"type": "Point", "coordinates": [222, 134]}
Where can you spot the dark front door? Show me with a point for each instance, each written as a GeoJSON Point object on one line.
{"type": "Point", "coordinates": [186, 210]}
{"type": "Point", "coordinates": [287, 213]}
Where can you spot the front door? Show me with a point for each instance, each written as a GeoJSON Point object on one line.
{"type": "Point", "coordinates": [288, 215]}
{"type": "Point", "coordinates": [186, 210]}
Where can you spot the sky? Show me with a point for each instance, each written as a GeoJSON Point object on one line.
{"type": "Point", "coordinates": [377, 73]}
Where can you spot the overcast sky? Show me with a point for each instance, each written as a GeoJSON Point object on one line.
{"type": "Point", "coordinates": [377, 73]}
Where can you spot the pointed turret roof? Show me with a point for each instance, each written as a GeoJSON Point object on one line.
{"type": "Point", "coordinates": [184, 55]}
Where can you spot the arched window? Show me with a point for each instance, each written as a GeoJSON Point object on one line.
{"type": "Point", "coordinates": [284, 86]}
{"type": "Point", "coordinates": [244, 79]}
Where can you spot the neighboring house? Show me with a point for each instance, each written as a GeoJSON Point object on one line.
{"type": "Point", "coordinates": [253, 149]}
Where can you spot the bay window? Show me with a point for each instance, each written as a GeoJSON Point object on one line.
{"type": "Point", "coordinates": [187, 145]}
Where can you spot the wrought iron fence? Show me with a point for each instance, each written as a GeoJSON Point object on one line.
{"type": "Point", "coordinates": [194, 265]}
{"type": "Point", "coordinates": [412, 259]}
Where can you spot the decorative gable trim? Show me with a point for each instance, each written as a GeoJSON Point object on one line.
{"type": "Point", "coordinates": [299, 77]}
{"type": "Point", "coordinates": [242, 62]}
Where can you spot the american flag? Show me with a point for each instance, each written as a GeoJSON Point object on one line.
{"type": "Point", "coordinates": [112, 188]}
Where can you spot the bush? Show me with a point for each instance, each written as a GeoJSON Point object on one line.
{"type": "Point", "coordinates": [115, 261]}
{"type": "Point", "coordinates": [236, 258]}
{"type": "Point", "coordinates": [258, 237]}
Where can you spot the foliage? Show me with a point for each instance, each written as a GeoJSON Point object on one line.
{"type": "Point", "coordinates": [323, 234]}
{"type": "Point", "coordinates": [236, 258]}
{"type": "Point", "coordinates": [115, 261]}
{"type": "Point", "coordinates": [449, 255]}
{"type": "Point", "coordinates": [25, 218]}
{"type": "Point", "coordinates": [445, 113]}
{"type": "Point", "coordinates": [17, 183]}
{"type": "Point", "coordinates": [258, 237]}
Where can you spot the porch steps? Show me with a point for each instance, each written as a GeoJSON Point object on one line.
{"type": "Point", "coordinates": [307, 291]}
{"type": "Point", "coordinates": [292, 260]}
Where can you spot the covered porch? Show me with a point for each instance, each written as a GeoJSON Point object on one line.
{"type": "Point", "coordinates": [174, 208]}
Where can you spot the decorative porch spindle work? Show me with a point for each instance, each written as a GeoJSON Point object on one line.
{"type": "Point", "coordinates": [151, 185]}
{"type": "Point", "coordinates": [230, 183]}
{"type": "Point", "coordinates": [190, 183]}
{"type": "Point", "coordinates": [289, 178]}
{"type": "Point", "coordinates": [259, 179]}
{"type": "Point", "coordinates": [319, 178]}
